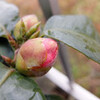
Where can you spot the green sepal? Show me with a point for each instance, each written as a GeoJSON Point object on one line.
{"type": "Point", "coordinates": [35, 35]}
{"type": "Point", "coordinates": [32, 30]}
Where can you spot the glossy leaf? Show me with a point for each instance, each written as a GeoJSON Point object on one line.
{"type": "Point", "coordinates": [77, 32]}
{"type": "Point", "coordinates": [8, 17]}
{"type": "Point", "coordinates": [5, 48]}
{"type": "Point", "coordinates": [18, 87]}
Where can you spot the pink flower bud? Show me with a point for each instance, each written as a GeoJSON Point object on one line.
{"type": "Point", "coordinates": [24, 25]}
{"type": "Point", "coordinates": [36, 56]}
{"type": "Point", "coordinates": [29, 21]}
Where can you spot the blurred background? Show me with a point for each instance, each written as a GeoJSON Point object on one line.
{"type": "Point", "coordinates": [85, 71]}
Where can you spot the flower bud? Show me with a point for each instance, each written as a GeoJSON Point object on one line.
{"type": "Point", "coordinates": [36, 56]}
{"type": "Point", "coordinates": [24, 25]}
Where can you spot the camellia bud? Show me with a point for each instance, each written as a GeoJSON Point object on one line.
{"type": "Point", "coordinates": [26, 25]}
{"type": "Point", "coordinates": [36, 56]}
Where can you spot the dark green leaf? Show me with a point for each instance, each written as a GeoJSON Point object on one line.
{"type": "Point", "coordinates": [77, 32]}
{"type": "Point", "coordinates": [18, 87]}
{"type": "Point", "coordinates": [53, 97]}
{"type": "Point", "coordinates": [5, 48]}
{"type": "Point", "coordinates": [8, 17]}
{"type": "Point", "coordinates": [77, 23]}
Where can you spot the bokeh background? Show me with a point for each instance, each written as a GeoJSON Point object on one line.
{"type": "Point", "coordinates": [85, 71]}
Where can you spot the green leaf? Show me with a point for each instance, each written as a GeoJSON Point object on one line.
{"type": "Point", "coordinates": [77, 32]}
{"type": "Point", "coordinates": [18, 87]}
{"type": "Point", "coordinates": [5, 48]}
{"type": "Point", "coordinates": [8, 17]}
{"type": "Point", "coordinates": [53, 97]}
